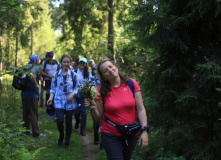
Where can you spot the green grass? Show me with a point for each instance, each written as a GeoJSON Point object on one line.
{"type": "Point", "coordinates": [47, 147]}
{"type": "Point", "coordinates": [52, 150]}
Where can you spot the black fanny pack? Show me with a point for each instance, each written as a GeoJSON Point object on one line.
{"type": "Point", "coordinates": [129, 129]}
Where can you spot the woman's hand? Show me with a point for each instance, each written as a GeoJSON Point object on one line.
{"type": "Point", "coordinates": [88, 102]}
{"type": "Point", "coordinates": [70, 97]}
{"type": "Point", "coordinates": [37, 86]}
{"type": "Point", "coordinates": [49, 102]}
{"type": "Point", "coordinates": [144, 140]}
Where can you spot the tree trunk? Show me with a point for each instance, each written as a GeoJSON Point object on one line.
{"type": "Point", "coordinates": [79, 39]}
{"type": "Point", "coordinates": [7, 63]}
{"type": "Point", "coordinates": [16, 54]}
{"type": "Point", "coordinates": [32, 38]}
{"type": "Point", "coordinates": [111, 29]}
{"type": "Point", "coordinates": [1, 77]}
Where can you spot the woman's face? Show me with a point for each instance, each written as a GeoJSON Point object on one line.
{"type": "Point", "coordinates": [65, 63]}
{"type": "Point", "coordinates": [108, 70]}
{"type": "Point", "coordinates": [82, 65]}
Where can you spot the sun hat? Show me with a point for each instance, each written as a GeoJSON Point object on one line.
{"type": "Point", "coordinates": [83, 60]}
{"type": "Point", "coordinates": [51, 112]}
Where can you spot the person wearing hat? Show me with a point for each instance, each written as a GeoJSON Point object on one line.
{"type": "Point", "coordinates": [30, 100]}
{"type": "Point", "coordinates": [83, 74]}
{"type": "Point", "coordinates": [49, 67]}
{"type": "Point", "coordinates": [93, 66]}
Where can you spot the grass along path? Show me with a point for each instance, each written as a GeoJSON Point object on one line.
{"type": "Point", "coordinates": [90, 150]}
{"type": "Point", "coordinates": [81, 147]}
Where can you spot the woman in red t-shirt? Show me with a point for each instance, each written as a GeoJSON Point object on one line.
{"type": "Point", "coordinates": [120, 106]}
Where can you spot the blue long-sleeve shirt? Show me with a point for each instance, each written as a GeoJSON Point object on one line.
{"type": "Point", "coordinates": [60, 98]}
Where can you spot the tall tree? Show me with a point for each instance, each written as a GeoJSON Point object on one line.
{"type": "Point", "coordinates": [111, 28]}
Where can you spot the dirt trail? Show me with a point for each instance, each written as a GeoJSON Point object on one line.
{"type": "Point", "coordinates": [89, 147]}
{"type": "Point", "coordinates": [91, 150]}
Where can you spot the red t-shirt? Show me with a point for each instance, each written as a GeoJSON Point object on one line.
{"type": "Point", "coordinates": [119, 107]}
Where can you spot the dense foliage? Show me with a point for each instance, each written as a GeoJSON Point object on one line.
{"type": "Point", "coordinates": [181, 74]}
{"type": "Point", "coordinates": [171, 47]}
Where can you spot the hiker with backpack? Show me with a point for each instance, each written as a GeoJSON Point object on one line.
{"type": "Point", "coordinates": [49, 67]}
{"type": "Point", "coordinates": [62, 93]}
{"type": "Point", "coordinates": [121, 107]}
{"type": "Point", "coordinates": [30, 97]}
{"type": "Point", "coordinates": [80, 114]}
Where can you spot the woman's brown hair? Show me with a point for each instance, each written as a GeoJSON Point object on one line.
{"type": "Point", "coordinates": [65, 56]}
{"type": "Point", "coordinates": [105, 84]}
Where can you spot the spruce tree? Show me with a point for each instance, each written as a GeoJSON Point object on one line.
{"type": "Point", "coordinates": [181, 75]}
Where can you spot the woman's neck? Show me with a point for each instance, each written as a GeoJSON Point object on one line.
{"type": "Point", "coordinates": [115, 82]}
{"type": "Point", "coordinates": [81, 69]}
{"type": "Point", "coordinates": [64, 71]}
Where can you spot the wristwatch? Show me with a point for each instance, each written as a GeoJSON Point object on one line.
{"type": "Point", "coordinates": [145, 128]}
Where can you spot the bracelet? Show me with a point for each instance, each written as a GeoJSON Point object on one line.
{"type": "Point", "coordinates": [145, 128]}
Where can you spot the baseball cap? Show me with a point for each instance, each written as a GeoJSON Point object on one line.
{"type": "Point", "coordinates": [83, 60]}
{"type": "Point", "coordinates": [50, 54]}
{"type": "Point", "coordinates": [90, 61]}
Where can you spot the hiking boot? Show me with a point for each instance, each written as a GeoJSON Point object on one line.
{"type": "Point", "coordinates": [28, 133]}
{"type": "Point", "coordinates": [96, 142]}
{"type": "Point", "coordinates": [82, 131]}
{"type": "Point", "coordinates": [76, 126]}
{"type": "Point", "coordinates": [96, 139]}
{"type": "Point", "coordinates": [66, 144]}
{"type": "Point", "coordinates": [60, 140]}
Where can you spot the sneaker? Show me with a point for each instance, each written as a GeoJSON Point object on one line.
{"type": "Point", "coordinates": [66, 144]}
{"type": "Point", "coordinates": [40, 136]}
{"type": "Point", "coordinates": [60, 140]}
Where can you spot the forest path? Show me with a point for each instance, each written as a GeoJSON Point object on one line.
{"type": "Point", "coordinates": [90, 150]}
{"type": "Point", "coordinates": [89, 147]}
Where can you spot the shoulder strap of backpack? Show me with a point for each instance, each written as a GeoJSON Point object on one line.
{"type": "Point", "coordinates": [73, 76]}
{"type": "Point", "coordinates": [46, 61]}
{"type": "Point", "coordinates": [58, 67]}
{"type": "Point", "coordinates": [56, 77]}
{"type": "Point", "coordinates": [130, 84]}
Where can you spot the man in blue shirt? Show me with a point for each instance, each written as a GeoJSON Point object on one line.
{"type": "Point", "coordinates": [30, 98]}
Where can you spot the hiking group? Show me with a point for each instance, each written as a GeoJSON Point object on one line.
{"type": "Point", "coordinates": [118, 112]}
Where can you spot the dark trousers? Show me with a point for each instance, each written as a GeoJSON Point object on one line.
{"type": "Point", "coordinates": [80, 112]}
{"type": "Point", "coordinates": [68, 121]}
{"type": "Point", "coordinates": [118, 147]}
{"type": "Point", "coordinates": [47, 89]}
{"type": "Point", "coordinates": [96, 126]}
{"type": "Point", "coordinates": [30, 115]}
{"type": "Point", "coordinates": [42, 94]}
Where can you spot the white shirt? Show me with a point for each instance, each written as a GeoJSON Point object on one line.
{"type": "Point", "coordinates": [49, 69]}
